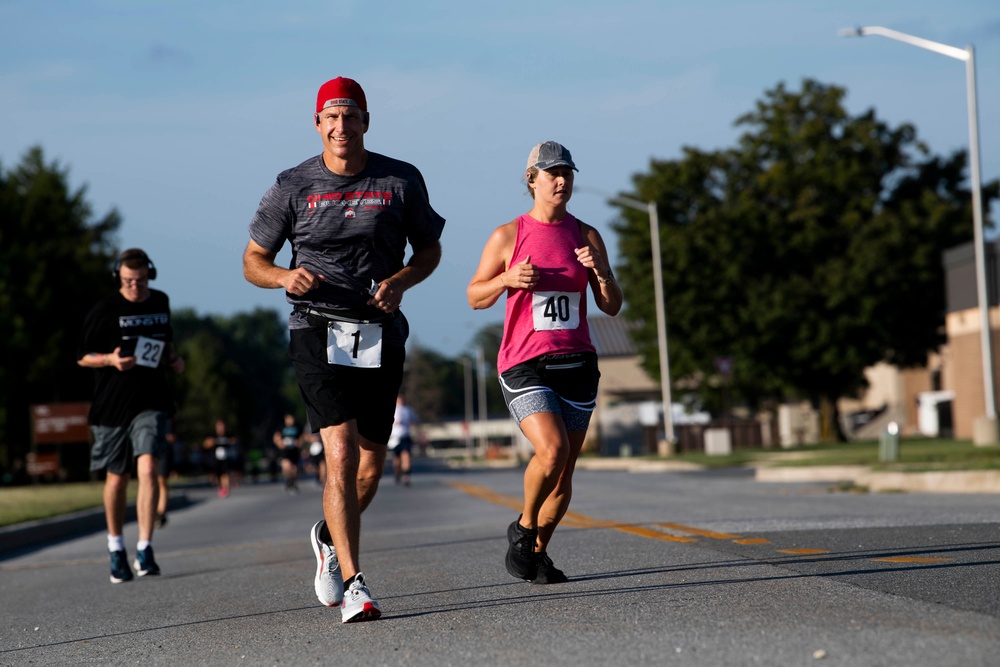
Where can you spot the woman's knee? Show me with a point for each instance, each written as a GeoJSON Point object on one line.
{"type": "Point", "coordinates": [552, 456]}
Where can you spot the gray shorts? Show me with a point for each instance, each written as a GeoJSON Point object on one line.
{"type": "Point", "coordinates": [116, 446]}
{"type": "Point", "coordinates": [563, 384]}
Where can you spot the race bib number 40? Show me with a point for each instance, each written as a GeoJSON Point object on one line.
{"type": "Point", "coordinates": [555, 310]}
{"type": "Point", "coordinates": [148, 351]}
{"type": "Point", "coordinates": [354, 344]}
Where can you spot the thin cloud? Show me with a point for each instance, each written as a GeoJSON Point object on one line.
{"type": "Point", "coordinates": [161, 56]}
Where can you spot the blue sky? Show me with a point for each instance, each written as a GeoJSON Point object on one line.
{"type": "Point", "coordinates": [181, 113]}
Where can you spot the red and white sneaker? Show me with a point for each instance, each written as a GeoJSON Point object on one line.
{"type": "Point", "coordinates": [329, 583]}
{"type": "Point", "coordinates": [358, 604]}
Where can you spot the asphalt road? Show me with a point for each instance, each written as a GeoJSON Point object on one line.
{"type": "Point", "coordinates": [696, 568]}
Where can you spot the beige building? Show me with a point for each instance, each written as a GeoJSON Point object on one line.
{"type": "Point", "coordinates": [944, 398]}
{"type": "Point", "coordinates": [953, 377]}
{"type": "Point", "coordinates": [623, 394]}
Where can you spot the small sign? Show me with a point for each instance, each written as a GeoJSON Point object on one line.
{"type": "Point", "coordinates": [43, 464]}
{"type": "Point", "coordinates": [54, 423]}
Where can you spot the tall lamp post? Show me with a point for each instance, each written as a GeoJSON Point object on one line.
{"type": "Point", "coordinates": [467, 384]}
{"type": "Point", "coordinates": [661, 317]}
{"type": "Point", "coordinates": [483, 411]}
{"type": "Point", "coordinates": [985, 431]}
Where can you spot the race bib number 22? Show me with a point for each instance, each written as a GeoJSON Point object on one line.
{"type": "Point", "coordinates": [148, 351]}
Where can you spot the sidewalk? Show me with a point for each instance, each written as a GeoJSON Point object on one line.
{"type": "Point", "coordinates": [946, 481]}
{"type": "Point", "coordinates": [951, 481]}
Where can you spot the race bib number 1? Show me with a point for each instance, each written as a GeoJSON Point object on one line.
{"type": "Point", "coordinates": [148, 351]}
{"type": "Point", "coordinates": [555, 310]}
{"type": "Point", "coordinates": [354, 344]}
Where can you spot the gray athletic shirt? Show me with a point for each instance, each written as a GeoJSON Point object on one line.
{"type": "Point", "coordinates": [350, 229]}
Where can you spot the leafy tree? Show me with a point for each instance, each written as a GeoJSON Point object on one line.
{"type": "Point", "coordinates": [807, 253]}
{"type": "Point", "coordinates": [237, 369]}
{"type": "Point", "coordinates": [426, 382]}
{"type": "Point", "coordinates": [489, 338]}
{"type": "Point", "coordinates": [54, 265]}
{"type": "Point", "coordinates": [435, 385]}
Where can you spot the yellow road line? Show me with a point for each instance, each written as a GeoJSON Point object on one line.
{"type": "Point", "coordinates": [654, 534]}
{"type": "Point", "coordinates": [699, 531]}
{"type": "Point", "coordinates": [576, 520]}
{"type": "Point", "coordinates": [483, 493]}
{"type": "Point", "coordinates": [570, 519]}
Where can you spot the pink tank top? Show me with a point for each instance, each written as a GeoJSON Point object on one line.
{"type": "Point", "coordinates": [552, 318]}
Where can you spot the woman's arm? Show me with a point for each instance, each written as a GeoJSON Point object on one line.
{"type": "Point", "coordinates": [607, 292]}
{"type": "Point", "coordinates": [492, 277]}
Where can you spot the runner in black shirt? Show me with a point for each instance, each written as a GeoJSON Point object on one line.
{"type": "Point", "coordinates": [128, 340]}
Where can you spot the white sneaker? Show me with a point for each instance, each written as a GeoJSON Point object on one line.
{"type": "Point", "coordinates": [358, 604]}
{"type": "Point", "coordinates": [329, 582]}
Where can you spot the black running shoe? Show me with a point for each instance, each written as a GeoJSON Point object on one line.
{"type": "Point", "coordinates": [546, 572]}
{"type": "Point", "coordinates": [120, 570]}
{"type": "Point", "coordinates": [520, 560]}
{"type": "Point", "coordinates": [145, 563]}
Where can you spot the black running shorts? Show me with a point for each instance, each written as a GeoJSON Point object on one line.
{"type": "Point", "coordinates": [336, 394]}
{"type": "Point", "coordinates": [564, 384]}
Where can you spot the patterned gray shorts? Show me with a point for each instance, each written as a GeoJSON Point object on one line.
{"type": "Point", "coordinates": [563, 384]}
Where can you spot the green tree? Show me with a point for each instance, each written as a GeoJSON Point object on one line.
{"type": "Point", "coordinates": [237, 369]}
{"type": "Point", "coordinates": [54, 265]}
{"type": "Point", "coordinates": [489, 338]}
{"type": "Point", "coordinates": [435, 385]}
{"type": "Point", "coordinates": [426, 382]}
{"type": "Point", "coordinates": [807, 253]}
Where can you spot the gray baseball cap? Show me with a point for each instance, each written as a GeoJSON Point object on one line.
{"type": "Point", "coordinates": [549, 154]}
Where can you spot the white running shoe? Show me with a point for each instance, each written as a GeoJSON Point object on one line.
{"type": "Point", "coordinates": [329, 581]}
{"type": "Point", "coordinates": [358, 604]}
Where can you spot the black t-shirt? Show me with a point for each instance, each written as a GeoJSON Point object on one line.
{"type": "Point", "coordinates": [290, 436]}
{"type": "Point", "coordinates": [143, 328]}
{"type": "Point", "coordinates": [351, 229]}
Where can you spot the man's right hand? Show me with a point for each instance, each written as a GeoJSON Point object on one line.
{"type": "Point", "coordinates": [299, 281]}
{"type": "Point", "coordinates": [122, 363]}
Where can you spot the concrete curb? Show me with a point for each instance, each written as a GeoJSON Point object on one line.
{"type": "Point", "coordinates": [951, 481]}
{"type": "Point", "coordinates": [23, 535]}
{"type": "Point", "coordinates": [28, 534]}
{"type": "Point", "coordinates": [635, 465]}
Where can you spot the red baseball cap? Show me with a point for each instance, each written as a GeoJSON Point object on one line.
{"type": "Point", "coordinates": [341, 92]}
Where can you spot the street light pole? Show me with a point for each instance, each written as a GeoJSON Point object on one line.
{"type": "Point", "coordinates": [483, 412]}
{"type": "Point", "coordinates": [467, 384]}
{"type": "Point", "coordinates": [661, 316]}
{"type": "Point", "coordinates": [987, 433]}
